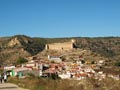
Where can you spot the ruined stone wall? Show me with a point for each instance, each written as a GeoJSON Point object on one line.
{"type": "Point", "coordinates": [60, 46]}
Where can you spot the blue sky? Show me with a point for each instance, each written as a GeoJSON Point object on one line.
{"type": "Point", "coordinates": [60, 18]}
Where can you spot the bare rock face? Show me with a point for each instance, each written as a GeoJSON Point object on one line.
{"type": "Point", "coordinates": [14, 42]}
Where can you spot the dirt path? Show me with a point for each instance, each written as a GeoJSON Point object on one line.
{"type": "Point", "coordinates": [10, 86]}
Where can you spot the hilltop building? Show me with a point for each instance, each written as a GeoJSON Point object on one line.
{"type": "Point", "coordinates": [61, 46]}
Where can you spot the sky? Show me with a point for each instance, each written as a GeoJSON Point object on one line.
{"type": "Point", "coordinates": [60, 18]}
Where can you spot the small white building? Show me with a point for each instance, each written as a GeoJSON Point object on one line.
{"type": "Point", "coordinates": [55, 58]}
{"type": "Point", "coordinates": [9, 67]}
{"type": "Point", "coordinates": [64, 76]}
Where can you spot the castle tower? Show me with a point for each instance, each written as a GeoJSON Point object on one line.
{"type": "Point", "coordinates": [73, 41]}
{"type": "Point", "coordinates": [46, 47]}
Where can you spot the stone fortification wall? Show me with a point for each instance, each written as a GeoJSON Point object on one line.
{"type": "Point", "coordinates": [60, 46]}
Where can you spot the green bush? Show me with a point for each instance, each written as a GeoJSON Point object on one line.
{"type": "Point", "coordinates": [117, 64]}
{"type": "Point", "coordinates": [82, 61]}
{"type": "Point", "coordinates": [21, 60]}
{"type": "Point", "coordinates": [34, 83]}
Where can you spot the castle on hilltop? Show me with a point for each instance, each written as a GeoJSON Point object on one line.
{"type": "Point", "coordinates": [61, 46]}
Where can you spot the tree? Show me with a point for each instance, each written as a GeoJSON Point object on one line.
{"type": "Point", "coordinates": [82, 61]}
{"type": "Point", "coordinates": [21, 60]}
{"type": "Point", "coordinates": [117, 64]}
{"type": "Point", "coordinates": [93, 62]}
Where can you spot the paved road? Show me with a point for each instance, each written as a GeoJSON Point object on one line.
{"type": "Point", "coordinates": [9, 86]}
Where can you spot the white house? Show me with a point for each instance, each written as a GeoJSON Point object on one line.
{"type": "Point", "coordinates": [55, 58]}
{"type": "Point", "coordinates": [9, 67]}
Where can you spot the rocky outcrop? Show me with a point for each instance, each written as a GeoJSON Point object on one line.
{"type": "Point", "coordinates": [14, 42]}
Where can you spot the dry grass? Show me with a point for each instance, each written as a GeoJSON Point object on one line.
{"type": "Point", "coordinates": [49, 84]}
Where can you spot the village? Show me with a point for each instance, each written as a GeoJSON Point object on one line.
{"type": "Point", "coordinates": [54, 66]}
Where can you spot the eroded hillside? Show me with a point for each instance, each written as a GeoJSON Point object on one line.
{"type": "Point", "coordinates": [24, 46]}
{"type": "Point", "coordinates": [12, 48]}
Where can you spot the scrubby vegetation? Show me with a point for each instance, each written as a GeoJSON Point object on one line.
{"type": "Point", "coordinates": [21, 60]}
{"type": "Point", "coordinates": [36, 83]}
{"type": "Point", "coordinates": [108, 47]}
{"type": "Point", "coordinates": [117, 64]}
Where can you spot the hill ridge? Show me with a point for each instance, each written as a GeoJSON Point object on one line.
{"type": "Point", "coordinates": [108, 47]}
